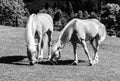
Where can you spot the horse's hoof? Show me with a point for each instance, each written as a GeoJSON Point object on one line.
{"type": "Point", "coordinates": [74, 63]}
{"type": "Point", "coordinates": [52, 62]}
{"type": "Point", "coordinates": [56, 62]}
{"type": "Point", "coordinates": [49, 58]}
{"type": "Point", "coordinates": [90, 64]}
{"type": "Point", "coordinates": [94, 62]}
{"type": "Point", "coordinates": [31, 63]}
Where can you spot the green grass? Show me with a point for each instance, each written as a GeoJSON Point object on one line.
{"type": "Point", "coordinates": [14, 64]}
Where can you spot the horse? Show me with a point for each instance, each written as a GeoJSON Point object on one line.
{"type": "Point", "coordinates": [80, 31]}
{"type": "Point", "coordinates": [38, 26]}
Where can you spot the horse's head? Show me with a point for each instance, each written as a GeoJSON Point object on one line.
{"type": "Point", "coordinates": [55, 51]}
{"type": "Point", "coordinates": [32, 53]}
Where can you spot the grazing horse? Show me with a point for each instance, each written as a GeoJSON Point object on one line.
{"type": "Point", "coordinates": [38, 26]}
{"type": "Point", "coordinates": [80, 31]}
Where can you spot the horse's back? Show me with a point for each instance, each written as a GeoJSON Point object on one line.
{"type": "Point", "coordinates": [102, 32]}
{"type": "Point", "coordinates": [45, 20]}
{"type": "Point", "coordinates": [38, 22]}
{"type": "Point", "coordinates": [86, 29]}
{"type": "Point", "coordinates": [89, 28]}
{"type": "Point", "coordinates": [45, 16]}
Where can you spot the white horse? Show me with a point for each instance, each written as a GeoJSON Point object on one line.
{"type": "Point", "coordinates": [37, 27]}
{"type": "Point", "coordinates": [80, 31]}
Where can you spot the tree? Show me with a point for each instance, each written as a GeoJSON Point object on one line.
{"type": "Point", "coordinates": [110, 13]}
{"type": "Point", "coordinates": [69, 9]}
{"type": "Point", "coordinates": [13, 13]}
{"type": "Point", "coordinates": [47, 5]}
{"type": "Point", "coordinates": [55, 5]}
{"type": "Point", "coordinates": [63, 7]}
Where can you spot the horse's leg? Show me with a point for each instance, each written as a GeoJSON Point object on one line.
{"type": "Point", "coordinates": [94, 48]}
{"type": "Point", "coordinates": [86, 51]}
{"type": "Point", "coordinates": [96, 58]}
{"type": "Point", "coordinates": [49, 34]}
{"type": "Point", "coordinates": [75, 54]}
{"type": "Point", "coordinates": [42, 45]}
{"type": "Point", "coordinates": [39, 47]}
{"type": "Point", "coordinates": [95, 51]}
{"type": "Point", "coordinates": [31, 56]}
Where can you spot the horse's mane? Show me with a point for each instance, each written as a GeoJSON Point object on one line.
{"type": "Point", "coordinates": [28, 27]}
{"type": "Point", "coordinates": [30, 19]}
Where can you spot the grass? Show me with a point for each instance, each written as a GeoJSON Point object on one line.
{"type": "Point", "coordinates": [14, 64]}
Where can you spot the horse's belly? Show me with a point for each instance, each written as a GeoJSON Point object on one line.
{"type": "Point", "coordinates": [74, 38]}
{"type": "Point", "coordinates": [90, 36]}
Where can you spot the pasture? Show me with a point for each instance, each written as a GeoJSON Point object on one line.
{"type": "Point", "coordinates": [14, 64]}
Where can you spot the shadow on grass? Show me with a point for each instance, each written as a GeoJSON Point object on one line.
{"type": "Point", "coordinates": [19, 60]}
{"type": "Point", "coordinates": [65, 62]}
{"type": "Point", "coordinates": [16, 60]}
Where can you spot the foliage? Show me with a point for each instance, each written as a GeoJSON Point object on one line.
{"type": "Point", "coordinates": [69, 9]}
{"type": "Point", "coordinates": [13, 13]}
{"type": "Point", "coordinates": [110, 13]}
{"type": "Point", "coordinates": [80, 14]}
{"type": "Point", "coordinates": [47, 5]}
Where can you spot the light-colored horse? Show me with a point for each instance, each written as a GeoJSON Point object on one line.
{"type": "Point", "coordinates": [80, 31]}
{"type": "Point", "coordinates": [38, 26]}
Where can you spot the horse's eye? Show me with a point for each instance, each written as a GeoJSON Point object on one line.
{"type": "Point", "coordinates": [58, 48]}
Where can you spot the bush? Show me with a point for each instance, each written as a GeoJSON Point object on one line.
{"type": "Point", "coordinates": [110, 13]}
{"type": "Point", "coordinates": [13, 13]}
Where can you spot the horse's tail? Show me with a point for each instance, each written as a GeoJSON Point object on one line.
{"type": "Point", "coordinates": [102, 33]}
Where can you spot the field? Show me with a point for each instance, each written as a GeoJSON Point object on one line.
{"type": "Point", "coordinates": [14, 64]}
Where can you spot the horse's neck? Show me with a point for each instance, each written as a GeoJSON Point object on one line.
{"type": "Point", "coordinates": [65, 36]}
{"type": "Point", "coordinates": [30, 36]}
{"type": "Point", "coordinates": [67, 33]}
